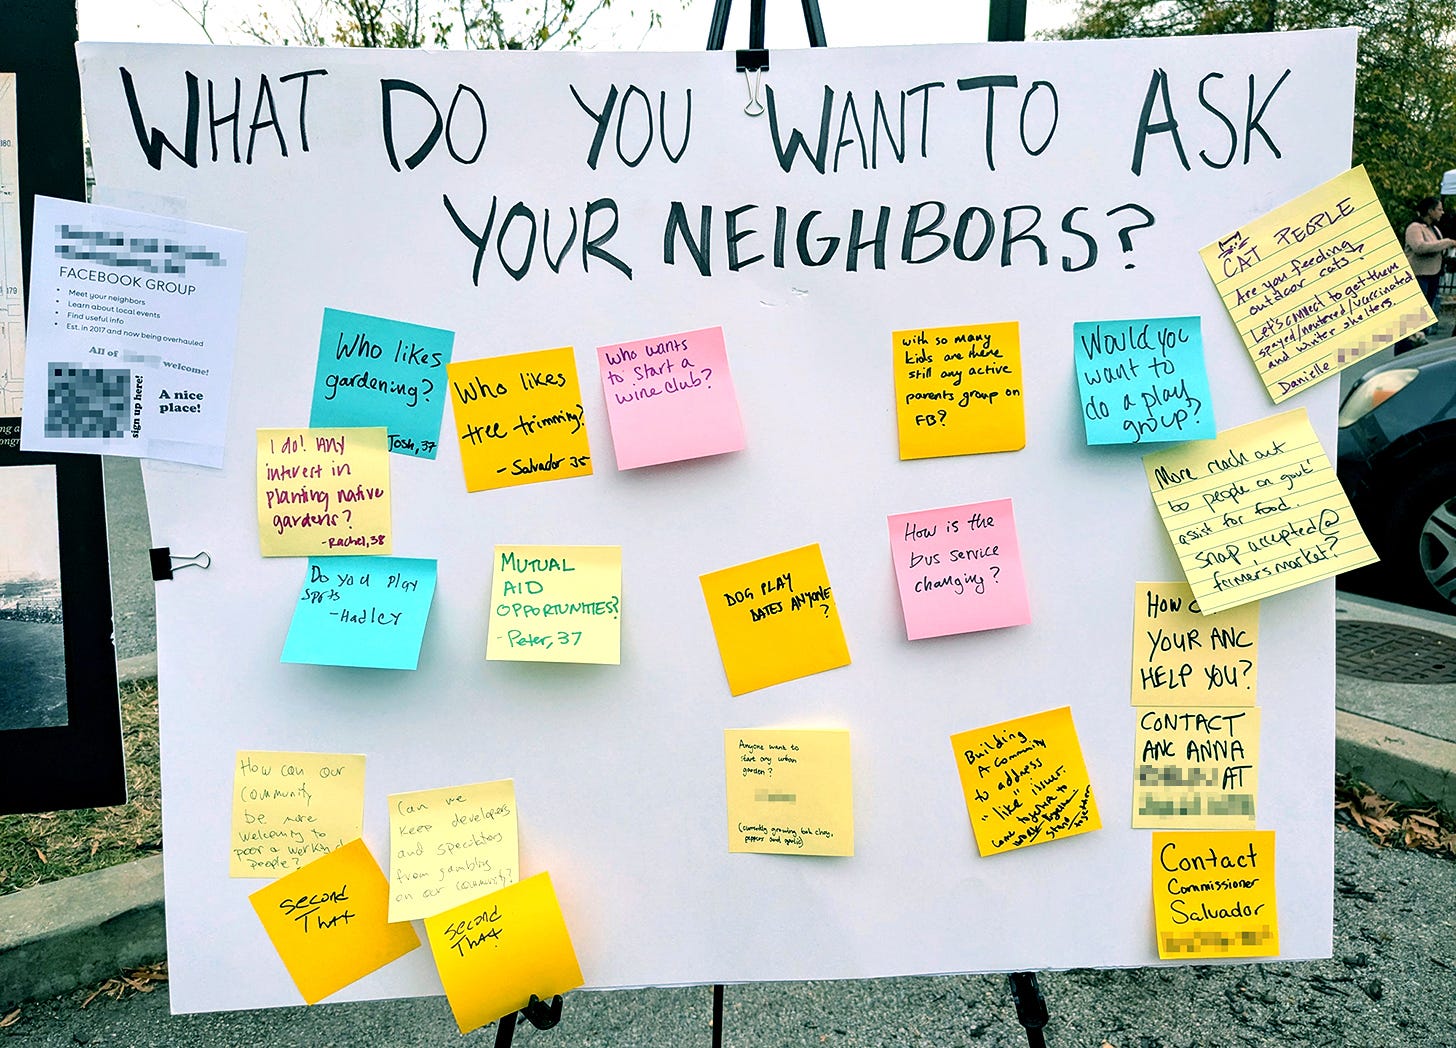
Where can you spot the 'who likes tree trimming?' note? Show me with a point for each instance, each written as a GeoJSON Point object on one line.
{"type": "Point", "coordinates": [1255, 512]}
{"type": "Point", "coordinates": [378, 372]}
{"type": "Point", "coordinates": [323, 492]}
{"type": "Point", "coordinates": [1142, 381]}
{"type": "Point", "coordinates": [1317, 284]}
{"type": "Point", "coordinates": [958, 390]}
{"type": "Point", "coordinates": [133, 324]}
{"type": "Point", "coordinates": [670, 398]}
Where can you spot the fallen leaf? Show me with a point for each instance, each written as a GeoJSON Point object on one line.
{"type": "Point", "coordinates": [11, 1019]}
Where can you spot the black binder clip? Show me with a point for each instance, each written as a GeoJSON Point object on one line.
{"type": "Point", "coordinates": [538, 1013]}
{"type": "Point", "coordinates": [164, 564]}
{"type": "Point", "coordinates": [754, 58]}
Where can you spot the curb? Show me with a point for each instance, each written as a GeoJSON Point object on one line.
{"type": "Point", "coordinates": [56, 937]}
{"type": "Point", "coordinates": [1403, 765]}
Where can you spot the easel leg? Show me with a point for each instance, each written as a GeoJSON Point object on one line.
{"type": "Point", "coordinates": [718, 1016]}
{"type": "Point", "coordinates": [1031, 1009]}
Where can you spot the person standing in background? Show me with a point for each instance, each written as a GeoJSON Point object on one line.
{"type": "Point", "coordinates": [1424, 247]}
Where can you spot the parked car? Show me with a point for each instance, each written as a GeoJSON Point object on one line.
{"type": "Point", "coordinates": [1397, 462]}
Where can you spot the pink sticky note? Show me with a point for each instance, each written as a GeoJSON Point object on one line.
{"type": "Point", "coordinates": [959, 569]}
{"type": "Point", "coordinates": [670, 398]}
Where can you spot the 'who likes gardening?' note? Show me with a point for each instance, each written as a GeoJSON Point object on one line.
{"type": "Point", "coordinates": [1317, 284]}
{"type": "Point", "coordinates": [1255, 512]}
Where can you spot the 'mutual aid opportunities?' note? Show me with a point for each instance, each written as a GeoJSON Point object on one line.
{"type": "Point", "coordinates": [290, 808]}
{"type": "Point", "coordinates": [1025, 781]}
{"type": "Point", "coordinates": [1181, 657]}
{"type": "Point", "coordinates": [1213, 894]}
{"type": "Point", "coordinates": [449, 846]}
{"type": "Point", "coordinates": [133, 321]}
{"type": "Point", "coordinates": [1255, 512]}
{"type": "Point", "coordinates": [556, 604]}
{"type": "Point", "coordinates": [329, 921]}
{"type": "Point", "coordinates": [789, 792]}
{"type": "Point", "coordinates": [519, 419]}
{"type": "Point", "coordinates": [378, 372]}
{"type": "Point", "coordinates": [323, 492]}
{"type": "Point", "coordinates": [670, 398]}
{"type": "Point", "coordinates": [1317, 284]}
{"type": "Point", "coordinates": [1142, 381]}
{"type": "Point", "coordinates": [1197, 768]}
{"type": "Point", "coordinates": [958, 390]}
{"type": "Point", "coordinates": [364, 611]}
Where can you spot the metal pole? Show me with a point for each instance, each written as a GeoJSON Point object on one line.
{"type": "Point", "coordinates": [1008, 20]}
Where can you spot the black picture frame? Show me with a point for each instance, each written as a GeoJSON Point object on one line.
{"type": "Point", "coordinates": [81, 764]}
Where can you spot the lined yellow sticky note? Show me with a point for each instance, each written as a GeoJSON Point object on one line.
{"type": "Point", "coordinates": [1316, 284]}
{"type": "Point", "coordinates": [775, 619]}
{"type": "Point", "coordinates": [495, 952]}
{"type": "Point", "coordinates": [323, 492]}
{"type": "Point", "coordinates": [1197, 768]}
{"type": "Point", "coordinates": [329, 921]}
{"type": "Point", "coordinates": [291, 808]}
{"type": "Point", "coordinates": [958, 390]}
{"type": "Point", "coordinates": [1255, 512]}
{"type": "Point", "coordinates": [789, 792]}
{"type": "Point", "coordinates": [556, 604]}
{"type": "Point", "coordinates": [1025, 781]}
{"type": "Point", "coordinates": [449, 846]}
{"type": "Point", "coordinates": [1213, 894]}
{"type": "Point", "coordinates": [1181, 657]}
{"type": "Point", "coordinates": [519, 419]}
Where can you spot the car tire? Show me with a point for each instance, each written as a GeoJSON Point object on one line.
{"type": "Point", "coordinates": [1420, 543]}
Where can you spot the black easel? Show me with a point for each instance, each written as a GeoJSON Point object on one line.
{"type": "Point", "coordinates": [538, 1013]}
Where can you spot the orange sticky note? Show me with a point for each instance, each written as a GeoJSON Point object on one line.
{"type": "Point", "coordinates": [775, 619]}
{"type": "Point", "coordinates": [495, 952]}
{"type": "Point", "coordinates": [519, 419]}
{"type": "Point", "coordinates": [958, 390]}
{"type": "Point", "coordinates": [329, 921]}
{"type": "Point", "coordinates": [1213, 894]}
{"type": "Point", "coordinates": [1025, 781]}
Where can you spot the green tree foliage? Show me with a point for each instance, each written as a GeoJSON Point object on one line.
{"type": "Point", "coordinates": [1405, 81]}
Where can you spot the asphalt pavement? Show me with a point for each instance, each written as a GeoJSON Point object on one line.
{"type": "Point", "coordinates": [1391, 979]}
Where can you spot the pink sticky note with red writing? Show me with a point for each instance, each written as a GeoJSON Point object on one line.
{"type": "Point", "coordinates": [670, 398]}
{"type": "Point", "coordinates": [959, 569]}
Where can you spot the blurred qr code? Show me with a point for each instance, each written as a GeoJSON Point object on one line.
{"type": "Point", "coordinates": [87, 402]}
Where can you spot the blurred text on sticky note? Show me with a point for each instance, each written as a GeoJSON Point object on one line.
{"type": "Point", "coordinates": [789, 792]}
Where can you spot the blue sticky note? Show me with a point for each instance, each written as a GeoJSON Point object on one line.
{"type": "Point", "coordinates": [1143, 381]}
{"type": "Point", "coordinates": [378, 372]}
{"type": "Point", "coordinates": [362, 611]}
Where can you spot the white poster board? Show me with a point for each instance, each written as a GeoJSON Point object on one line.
{"type": "Point", "coordinates": [619, 769]}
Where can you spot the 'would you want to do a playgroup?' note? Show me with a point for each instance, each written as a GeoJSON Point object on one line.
{"type": "Point", "coordinates": [1142, 381]}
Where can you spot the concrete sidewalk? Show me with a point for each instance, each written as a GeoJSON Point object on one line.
{"type": "Point", "coordinates": [1395, 724]}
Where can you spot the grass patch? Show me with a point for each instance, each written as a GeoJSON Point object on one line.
{"type": "Point", "coordinates": [53, 845]}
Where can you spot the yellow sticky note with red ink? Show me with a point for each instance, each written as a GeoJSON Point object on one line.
{"type": "Point", "coordinates": [329, 921]}
{"type": "Point", "coordinates": [775, 619]}
{"type": "Point", "coordinates": [519, 419]}
{"type": "Point", "coordinates": [1213, 894]}
{"type": "Point", "coordinates": [323, 492]}
{"type": "Point", "coordinates": [789, 791]}
{"type": "Point", "coordinates": [958, 390]}
{"type": "Point", "coordinates": [495, 952]}
{"type": "Point", "coordinates": [1025, 781]}
{"type": "Point", "coordinates": [1181, 657]}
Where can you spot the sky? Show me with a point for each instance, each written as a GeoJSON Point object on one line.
{"type": "Point", "coordinates": [847, 23]}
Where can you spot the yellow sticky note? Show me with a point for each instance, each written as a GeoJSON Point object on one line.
{"type": "Point", "coordinates": [497, 951]}
{"type": "Point", "coordinates": [1255, 512]}
{"type": "Point", "coordinates": [556, 604]}
{"type": "Point", "coordinates": [1181, 657]}
{"type": "Point", "coordinates": [291, 808]}
{"type": "Point", "coordinates": [1025, 781]}
{"type": "Point", "coordinates": [323, 492]}
{"type": "Point", "coordinates": [449, 846]}
{"type": "Point", "coordinates": [1213, 894]}
{"type": "Point", "coordinates": [519, 419]}
{"type": "Point", "coordinates": [1316, 284]}
{"type": "Point", "coordinates": [329, 921]}
{"type": "Point", "coordinates": [958, 390]}
{"type": "Point", "coordinates": [775, 619]}
{"type": "Point", "coordinates": [789, 792]}
{"type": "Point", "coordinates": [1197, 768]}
